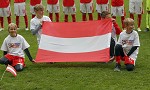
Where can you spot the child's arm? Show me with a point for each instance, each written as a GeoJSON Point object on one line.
{"type": "Point", "coordinates": [117, 28]}
{"type": "Point", "coordinates": [34, 31]}
{"type": "Point", "coordinates": [132, 50]}
{"type": "Point", "coordinates": [29, 55]}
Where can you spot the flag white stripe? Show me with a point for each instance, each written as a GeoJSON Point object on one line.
{"type": "Point", "coordinates": [10, 69]}
{"type": "Point", "coordinates": [75, 45]}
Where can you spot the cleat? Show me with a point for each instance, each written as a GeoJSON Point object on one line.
{"type": "Point", "coordinates": [146, 30]}
{"type": "Point", "coordinates": [117, 68]}
{"type": "Point", "coordinates": [26, 29]}
{"type": "Point", "coordinates": [139, 30]}
{"type": "Point", "coordinates": [1, 29]}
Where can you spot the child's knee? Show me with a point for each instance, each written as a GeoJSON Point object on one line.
{"type": "Point", "coordinates": [130, 67]}
{"type": "Point", "coordinates": [4, 60]}
{"type": "Point", "coordinates": [19, 67]}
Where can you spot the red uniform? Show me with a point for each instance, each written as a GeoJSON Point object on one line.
{"type": "Point", "coordinates": [117, 2]}
{"type": "Point", "coordinates": [85, 1]}
{"type": "Point", "coordinates": [34, 2]}
{"type": "Point", "coordinates": [19, 1]}
{"type": "Point", "coordinates": [52, 1]}
{"type": "Point", "coordinates": [101, 1]}
{"type": "Point", "coordinates": [68, 3]}
{"type": "Point", "coordinates": [4, 3]}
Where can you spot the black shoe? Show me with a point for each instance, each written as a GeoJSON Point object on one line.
{"type": "Point", "coordinates": [117, 67]}
{"type": "Point", "coordinates": [146, 30]}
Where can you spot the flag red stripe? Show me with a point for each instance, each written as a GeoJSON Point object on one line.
{"type": "Point", "coordinates": [77, 29]}
{"type": "Point", "coordinates": [50, 56]}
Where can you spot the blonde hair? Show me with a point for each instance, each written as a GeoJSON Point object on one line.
{"type": "Point", "coordinates": [127, 21]}
{"type": "Point", "coordinates": [38, 7]}
{"type": "Point", "coordinates": [12, 24]}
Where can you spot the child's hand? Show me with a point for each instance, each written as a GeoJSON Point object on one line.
{"type": "Point", "coordinates": [33, 61]}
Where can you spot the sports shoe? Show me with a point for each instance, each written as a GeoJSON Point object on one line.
{"type": "Point", "coordinates": [18, 28]}
{"type": "Point", "coordinates": [1, 29]}
{"type": "Point", "coordinates": [139, 30]}
{"type": "Point", "coordinates": [146, 30]}
{"type": "Point", "coordinates": [26, 29]}
{"type": "Point", "coordinates": [117, 67]}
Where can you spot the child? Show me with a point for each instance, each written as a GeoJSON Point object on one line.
{"type": "Point", "coordinates": [117, 9]}
{"type": "Point", "coordinates": [136, 7]}
{"type": "Point", "coordinates": [69, 7]}
{"type": "Point", "coordinates": [20, 10]}
{"type": "Point", "coordinates": [32, 4]}
{"type": "Point", "coordinates": [5, 11]}
{"type": "Point", "coordinates": [127, 47]}
{"type": "Point", "coordinates": [101, 5]}
{"type": "Point", "coordinates": [147, 16]}
{"type": "Point", "coordinates": [86, 6]}
{"type": "Point", "coordinates": [53, 6]}
{"type": "Point", "coordinates": [115, 31]}
{"type": "Point", "coordinates": [14, 46]}
{"type": "Point", "coordinates": [36, 22]}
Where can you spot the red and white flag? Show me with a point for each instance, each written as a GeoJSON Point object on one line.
{"type": "Point", "coordinates": [11, 69]}
{"type": "Point", "coordinates": [75, 41]}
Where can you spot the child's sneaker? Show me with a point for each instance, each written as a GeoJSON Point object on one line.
{"type": "Point", "coordinates": [139, 30]}
{"type": "Point", "coordinates": [1, 29]}
{"type": "Point", "coordinates": [26, 29]}
{"type": "Point", "coordinates": [117, 67]}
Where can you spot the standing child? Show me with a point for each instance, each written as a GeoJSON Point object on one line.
{"type": "Point", "coordinates": [36, 22]}
{"type": "Point", "coordinates": [117, 9]}
{"type": "Point", "coordinates": [115, 31]}
{"type": "Point", "coordinates": [86, 6]}
{"type": "Point", "coordinates": [101, 5]}
{"type": "Point", "coordinates": [53, 6]}
{"type": "Point", "coordinates": [5, 11]}
{"type": "Point", "coordinates": [20, 10]}
{"type": "Point", "coordinates": [127, 47]}
{"type": "Point", "coordinates": [136, 7]}
{"type": "Point", "coordinates": [32, 4]}
{"type": "Point", "coordinates": [147, 15]}
{"type": "Point", "coordinates": [14, 46]}
{"type": "Point", "coordinates": [69, 7]}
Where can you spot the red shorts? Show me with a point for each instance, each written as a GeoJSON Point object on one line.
{"type": "Point", "coordinates": [14, 60]}
{"type": "Point", "coordinates": [128, 60]}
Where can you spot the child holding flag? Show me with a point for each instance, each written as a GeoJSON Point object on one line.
{"type": "Point", "coordinates": [14, 46]}
{"type": "Point", "coordinates": [127, 46]}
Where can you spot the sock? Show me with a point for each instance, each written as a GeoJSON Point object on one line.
{"type": "Point", "coordinates": [122, 19]}
{"type": "Point", "coordinates": [131, 16]}
{"type": "Point", "coordinates": [139, 20]}
{"type": "Point", "coordinates": [73, 18]}
{"type": "Point", "coordinates": [84, 17]}
{"type": "Point", "coordinates": [114, 17]}
{"type": "Point", "coordinates": [17, 21]}
{"type": "Point", "coordinates": [66, 18]}
{"type": "Point", "coordinates": [51, 16]}
{"type": "Point", "coordinates": [33, 15]}
{"type": "Point", "coordinates": [57, 17]}
{"type": "Point", "coordinates": [9, 19]}
{"type": "Point", "coordinates": [118, 59]}
{"type": "Point", "coordinates": [26, 20]}
{"type": "Point", "coordinates": [98, 16]}
{"type": "Point", "coordinates": [2, 22]}
{"type": "Point", "coordinates": [90, 16]}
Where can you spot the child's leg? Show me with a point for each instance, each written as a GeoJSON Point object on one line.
{"type": "Point", "coordinates": [9, 19]}
{"type": "Point", "coordinates": [17, 21]}
{"type": "Point", "coordinates": [118, 53]}
{"type": "Point", "coordinates": [18, 67]}
{"type": "Point", "coordinates": [73, 18]}
{"type": "Point", "coordinates": [4, 60]}
{"type": "Point", "coordinates": [132, 16]}
{"type": "Point", "coordinates": [129, 62]}
{"type": "Point", "coordinates": [2, 22]}
{"type": "Point", "coordinates": [139, 20]}
{"type": "Point", "coordinates": [33, 15]}
{"type": "Point", "coordinates": [66, 18]}
{"type": "Point", "coordinates": [130, 67]}
{"type": "Point", "coordinates": [51, 16]}
{"type": "Point", "coordinates": [26, 21]}
{"type": "Point", "coordinates": [112, 45]}
{"type": "Point", "coordinates": [90, 16]}
{"type": "Point", "coordinates": [98, 16]}
{"type": "Point", "coordinates": [84, 17]}
{"type": "Point", "coordinates": [57, 17]}
{"type": "Point", "coordinates": [122, 21]}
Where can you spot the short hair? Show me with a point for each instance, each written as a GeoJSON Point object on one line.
{"type": "Point", "coordinates": [38, 7]}
{"type": "Point", "coordinates": [12, 24]}
{"type": "Point", "coordinates": [127, 21]}
{"type": "Point", "coordinates": [104, 14]}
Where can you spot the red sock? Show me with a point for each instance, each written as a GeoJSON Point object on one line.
{"type": "Point", "coordinates": [84, 17]}
{"type": "Point", "coordinates": [57, 17]}
{"type": "Point", "coordinates": [51, 16]}
{"type": "Point", "coordinates": [114, 17]}
{"type": "Point", "coordinates": [17, 21]}
{"type": "Point", "coordinates": [98, 16]}
{"type": "Point", "coordinates": [2, 22]}
{"type": "Point", "coordinates": [73, 18]}
{"type": "Point", "coordinates": [33, 15]}
{"type": "Point", "coordinates": [66, 18]}
{"type": "Point", "coordinates": [9, 19]}
{"type": "Point", "coordinates": [122, 21]}
{"type": "Point", "coordinates": [90, 16]}
{"type": "Point", "coordinates": [118, 59]}
{"type": "Point", "coordinates": [139, 20]}
{"type": "Point", "coordinates": [26, 20]}
{"type": "Point", "coordinates": [131, 16]}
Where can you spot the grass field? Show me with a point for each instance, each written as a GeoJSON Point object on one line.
{"type": "Point", "coordinates": [77, 76]}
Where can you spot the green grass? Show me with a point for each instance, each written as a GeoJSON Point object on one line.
{"type": "Point", "coordinates": [77, 76]}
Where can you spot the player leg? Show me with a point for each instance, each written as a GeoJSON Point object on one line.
{"type": "Point", "coordinates": [73, 13]}
{"type": "Point", "coordinates": [129, 63]}
{"type": "Point", "coordinates": [4, 60]}
{"type": "Point", "coordinates": [2, 22]}
{"type": "Point", "coordinates": [57, 10]}
{"type": "Point", "coordinates": [18, 63]}
{"type": "Point", "coordinates": [18, 67]}
{"type": "Point", "coordinates": [112, 45]}
{"type": "Point", "coordinates": [90, 10]}
{"type": "Point", "coordinates": [147, 21]}
{"type": "Point", "coordinates": [26, 21]}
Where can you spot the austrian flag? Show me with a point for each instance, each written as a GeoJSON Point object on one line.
{"type": "Point", "coordinates": [75, 41]}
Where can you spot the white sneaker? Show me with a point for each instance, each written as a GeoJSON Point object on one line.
{"type": "Point", "coordinates": [1, 29]}
{"type": "Point", "coordinates": [26, 29]}
{"type": "Point", "coordinates": [18, 28]}
{"type": "Point", "coordinates": [139, 30]}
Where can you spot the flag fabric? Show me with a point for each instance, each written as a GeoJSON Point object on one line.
{"type": "Point", "coordinates": [75, 41]}
{"type": "Point", "coordinates": [11, 69]}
